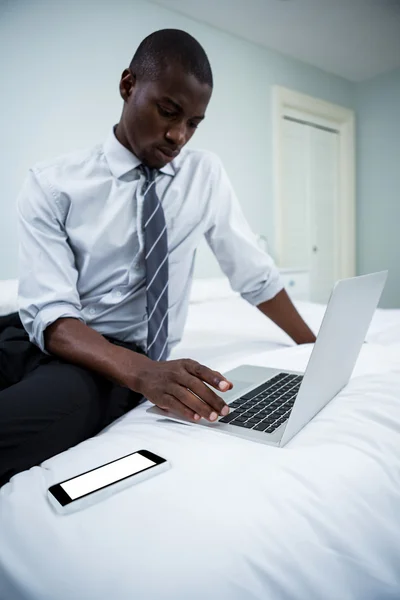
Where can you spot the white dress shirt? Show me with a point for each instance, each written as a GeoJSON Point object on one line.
{"type": "Point", "coordinates": [81, 240]}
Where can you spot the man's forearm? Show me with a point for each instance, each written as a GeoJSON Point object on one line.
{"type": "Point", "coordinates": [77, 343]}
{"type": "Point", "coordinates": [281, 311]}
{"type": "Point", "coordinates": [177, 385]}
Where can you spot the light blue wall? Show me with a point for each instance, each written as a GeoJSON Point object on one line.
{"type": "Point", "coordinates": [61, 63]}
{"type": "Point", "coordinates": [378, 177]}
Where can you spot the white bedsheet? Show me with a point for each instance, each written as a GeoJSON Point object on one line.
{"type": "Point", "coordinates": [317, 520]}
{"type": "Point", "coordinates": [229, 328]}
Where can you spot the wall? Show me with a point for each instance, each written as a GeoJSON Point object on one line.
{"type": "Point", "coordinates": [378, 178]}
{"type": "Point", "coordinates": [59, 91]}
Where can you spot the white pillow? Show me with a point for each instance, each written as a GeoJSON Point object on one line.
{"type": "Point", "coordinates": [8, 296]}
{"type": "Point", "coordinates": [213, 288]}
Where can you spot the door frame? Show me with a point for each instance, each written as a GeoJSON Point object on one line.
{"type": "Point", "coordinates": [342, 119]}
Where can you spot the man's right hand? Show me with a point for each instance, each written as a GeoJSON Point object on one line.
{"type": "Point", "coordinates": [176, 385]}
{"type": "Point", "coordinates": [180, 386]}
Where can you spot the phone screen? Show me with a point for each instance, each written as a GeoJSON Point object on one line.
{"type": "Point", "coordinates": [103, 476]}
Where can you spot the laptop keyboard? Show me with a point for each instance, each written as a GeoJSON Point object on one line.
{"type": "Point", "coordinates": [266, 407]}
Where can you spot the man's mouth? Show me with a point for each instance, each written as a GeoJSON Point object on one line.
{"type": "Point", "coordinates": [168, 153]}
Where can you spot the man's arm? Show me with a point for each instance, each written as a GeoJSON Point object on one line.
{"type": "Point", "coordinates": [250, 270]}
{"type": "Point", "coordinates": [176, 385]}
{"type": "Point", "coordinates": [77, 343]}
{"type": "Point", "coordinates": [282, 311]}
{"type": "Point", "coordinates": [48, 275]}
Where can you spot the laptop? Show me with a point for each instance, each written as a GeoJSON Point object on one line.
{"type": "Point", "coordinates": [271, 406]}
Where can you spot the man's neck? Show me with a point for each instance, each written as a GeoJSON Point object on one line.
{"type": "Point", "coordinates": [121, 137]}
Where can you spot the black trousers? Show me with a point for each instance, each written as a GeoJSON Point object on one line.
{"type": "Point", "coordinates": [48, 405]}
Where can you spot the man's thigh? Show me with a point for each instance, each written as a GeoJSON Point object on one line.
{"type": "Point", "coordinates": [54, 407]}
{"type": "Point", "coordinates": [18, 356]}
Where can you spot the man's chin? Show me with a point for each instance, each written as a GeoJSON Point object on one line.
{"type": "Point", "coordinates": [160, 159]}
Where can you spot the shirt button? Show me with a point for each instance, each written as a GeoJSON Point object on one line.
{"type": "Point", "coordinates": [92, 311]}
{"type": "Point", "coordinates": [118, 294]}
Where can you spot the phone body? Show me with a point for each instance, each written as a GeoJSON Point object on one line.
{"type": "Point", "coordinates": [97, 484]}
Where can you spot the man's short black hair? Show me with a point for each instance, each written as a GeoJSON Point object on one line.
{"type": "Point", "coordinates": [171, 46]}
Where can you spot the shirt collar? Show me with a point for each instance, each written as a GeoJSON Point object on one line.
{"type": "Point", "coordinates": [121, 160]}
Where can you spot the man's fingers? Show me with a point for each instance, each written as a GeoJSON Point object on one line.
{"type": "Point", "coordinates": [214, 378]}
{"type": "Point", "coordinates": [173, 404]}
{"type": "Point", "coordinates": [198, 387]}
{"type": "Point", "coordinates": [224, 384]}
{"type": "Point", "coordinates": [189, 399]}
{"type": "Point", "coordinates": [186, 392]}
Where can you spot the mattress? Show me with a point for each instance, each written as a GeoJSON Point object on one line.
{"type": "Point", "coordinates": [231, 518]}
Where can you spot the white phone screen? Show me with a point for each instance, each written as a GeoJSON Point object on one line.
{"type": "Point", "coordinates": [99, 478]}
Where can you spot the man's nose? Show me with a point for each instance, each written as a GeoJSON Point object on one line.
{"type": "Point", "coordinates": [176, 134]}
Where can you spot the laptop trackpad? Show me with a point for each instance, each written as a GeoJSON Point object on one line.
{"type": "Point", "coordinates": [239, 387]}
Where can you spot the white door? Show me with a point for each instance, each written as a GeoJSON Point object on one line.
{"type": "Point", "coordinates": [323, 197]}
{"type": "Point", "coordinates": [309, 210]}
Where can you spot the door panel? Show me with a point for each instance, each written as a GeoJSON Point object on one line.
{"type": "Point", "coordinates": [309, 210]}
{"type": "Point", "coordinates": [295, 248]}
{"type": "Point", "coordinates": [324, 172]}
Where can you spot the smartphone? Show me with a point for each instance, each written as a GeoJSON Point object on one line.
{"type": "Point", "coordinates": [99, 483]}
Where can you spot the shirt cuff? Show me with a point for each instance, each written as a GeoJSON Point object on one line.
{"type": "Point", "coordinates": [268, 290]}
{"type": "Point", "coordinates": [48, 315]}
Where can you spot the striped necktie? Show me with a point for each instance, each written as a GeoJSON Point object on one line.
{"type": "Point", "coordinates": [156, 260]}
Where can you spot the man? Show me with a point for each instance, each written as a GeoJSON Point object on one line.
{"type": "Point", "coordinates": [107, 246]}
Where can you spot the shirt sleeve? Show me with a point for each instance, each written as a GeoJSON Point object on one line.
{"type": "Point", "coordinates": [250, 270]}
{"type": "Point", "coordinates": [47, 273]}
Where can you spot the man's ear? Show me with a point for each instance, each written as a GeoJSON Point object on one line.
{"type": "Point", "coordinates": [126, 84]}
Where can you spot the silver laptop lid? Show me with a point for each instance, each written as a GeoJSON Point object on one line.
{"type": "Point", "coordinates": [348, 315]}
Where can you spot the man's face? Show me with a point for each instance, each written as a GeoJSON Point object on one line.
{"type": "Point", "coordinates": [160, 117]}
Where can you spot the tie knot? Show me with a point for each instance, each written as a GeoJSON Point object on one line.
{"type": "Point", "coordinates": [150, 174]}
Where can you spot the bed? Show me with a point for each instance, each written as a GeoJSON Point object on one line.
{"type": "Point", "coordinates": [243, 331]}
{"type": "Point", "coordinates": [318, 519]}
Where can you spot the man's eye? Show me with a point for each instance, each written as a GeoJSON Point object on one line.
{"type": "Point", "coordinates": [193, 125]}
{"type": "Point", "coordinates": [165, 113]}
